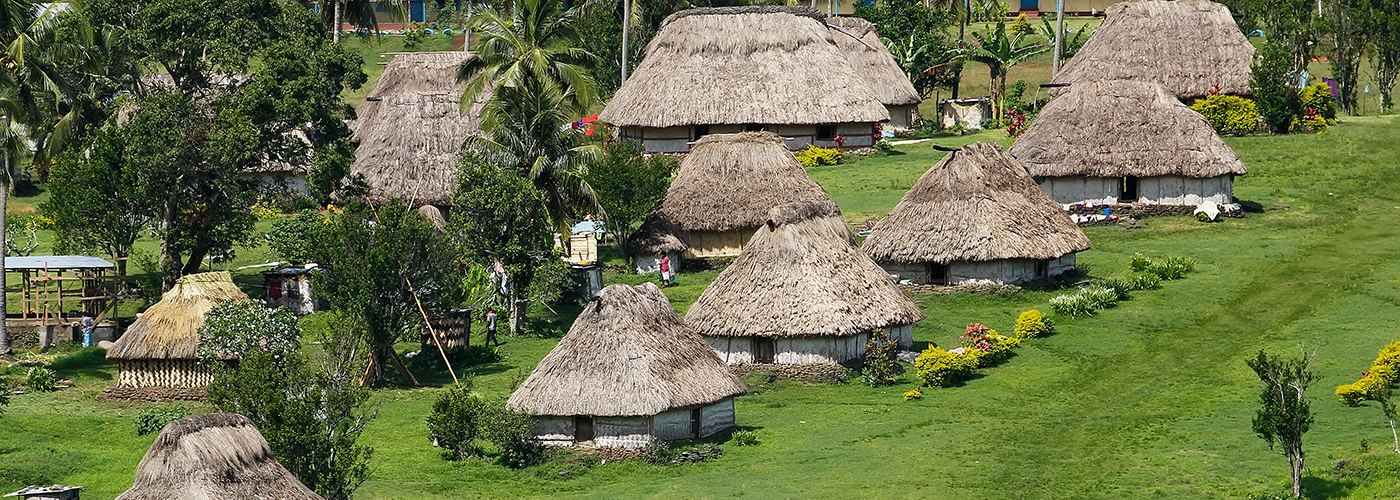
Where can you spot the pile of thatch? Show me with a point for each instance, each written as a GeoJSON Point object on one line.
{"type": "Point", "coordinates": [411, 128]}
{"type": "Point", "coordinates": [628, 354]}
{"type": "Point", "coordinates": [214, 456]}
{"type": "Point", "coordinates": [737, 65]}
{"type": "Point", "coordinates": [170, 328]}
{"type": "Point", "coordinates": [801, 275]}
{"type": "Point", "coordinates": [861, 45]}
{"type": "Point", "coordinates": [1122, 128]}
{"type": "Point", "coordinates": [1187, 46]}
{"type": "Point", "coordinates": [977, 204]}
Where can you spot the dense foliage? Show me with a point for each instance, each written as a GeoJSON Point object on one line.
{"type": "Point", "coordinates": [880, 363]}
{"type": "Point", "coordinates": [922, 36]}
{"type": "Point", "coordinates": [1284, 414]}
{"type": "Point", "coordinates": [1228, 114]}
{"type": "Point", "coordinates": [290, 237]}
{"type": "Point", "coordinates": [1032, 324]}
{"type": "Point", "coordinates": [817, 156]}
{"type": "Point", "coordinates": [153, 419]}
{"type": "Point", "coordinates": [455, 421]}
{"type": "Point", "coordinates": [629, 185]}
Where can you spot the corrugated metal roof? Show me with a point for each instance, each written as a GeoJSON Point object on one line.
{"type": "Point", "coordinates": [57, 262]}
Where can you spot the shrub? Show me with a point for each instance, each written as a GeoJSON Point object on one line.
{"type": "Point", "coordinates": [657, 452]}
{"type": "Point", "coordinates": [455, 421]}
{"type": "Point", "coordinates": [1032, 324]}
{"type": "Point", "coordinates": [990, 123]}
{"type": "Point", "coordinates": [1145, 281]}
{"type": "Point", "coordinates": [815, 156]}
{"type": "Point", "coordinates": [884, 148]}
{"type": "Point", "coordinates": [744, 438]}
{"type": "Point", "coordinates": [41, 379]}
{"type": "Point", "coordinates": [1229, 114]}
{"type": "Point", "coordinates": [917, 393]}
{"type": "Point", "coordinates": [1073, 305]}
{"type": "Point", "coordinates": [290, 237]}
{"type": "Point", "coordinates": [1311, 122]}
{"type": "Point", "coordinates": [940, 368]}
{"type": "Point", "coordinates": [412, 39]}
{"type": "Point", "coordinates": [999, 349]}
{"type": "Point", "coordinates": [1170, 268]}
{"type": "Point", "coordinates": [978, 336]}
{"type": "Point", "coordinates": [513, 434]}
{"type": "Point", "coordinates": [1100, 297]}
{"type": "Point", "coordinates": [153, 419]}
{"type": "Point", "coordinates": [880, 359]}
{"type": "Point", "coordinates": [1318, 97]}
{"type": "Point", "coordinates": [1021, 26]}
{"type": "Point", "coordinates": [1383, 372]}
{"type": "Point", "coordinates": [1120, 287]}
{"type": "Point", "coordinates": [1275, 91]}
{"type": "Point", "coordinates": [265, 208]}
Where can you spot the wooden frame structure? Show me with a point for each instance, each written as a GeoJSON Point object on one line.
{"type": "Point", "coordinates": [47, 284]}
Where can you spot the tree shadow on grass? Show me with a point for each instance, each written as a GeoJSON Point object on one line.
{"type": "Point", "coordinates": [83, 360]}
{"type": "Point", "coordinates": [1321, 488]}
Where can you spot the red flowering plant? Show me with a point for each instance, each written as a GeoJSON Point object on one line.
{"type": "Point", "coordinates": [978, 336]}
{"type": "Point", "coordinates": [1017, 125]}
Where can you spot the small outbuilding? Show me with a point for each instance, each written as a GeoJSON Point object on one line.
{"type": "Point", "coordinates": [976, 217]}
{"type": "Point", "coordinates": [1189, 47]}
{"type": "Point", "coordinates": [213, 456]}
{"type": "Point", "coordinates": [722, 193]}
{"type": "Point", "coordinates": [720, 70]}
{"type": "Point", "coordinates": [290, 287]}
{"type": "Point", "coordinates": [657, 237]}
{"type": "Point", "coordinates": [161, 348]}
{"type": "Point", "coordinates": [630, 370]}
{"type": "Point", "coordinates": [1122, 141]}
{"type": "Point", "coordinates": [801, 292]}
{"type": "Point", "coordinates": [861, 45]}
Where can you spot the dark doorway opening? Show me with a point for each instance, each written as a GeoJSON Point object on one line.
{"type": "Point", "coordinates": [1129, 190]}
{"type": "Point", "coordinates": [699, 131]}
{"type": "Point", "coordinates": [583, 428]}
{"type": "Point", "coordinates": [763, 350]}
{"type": "Point", "coordinates": [1042, 269]}
{"type": "Point", "coordinates": [695, 423]}
{"type": "Point", "coordinates": [937, 274]}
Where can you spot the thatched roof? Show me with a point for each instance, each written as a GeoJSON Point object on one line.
{"type": "Point", "coordinates": [1122, 128]}
{"type": "Point", "coordinates": [214, 456]}
{"type": "Point", "coordinates": [411, 128]}
{"type": "Point", "coordinates": [737, 65]}
{"type": "Point", "coordinates": [170, 328]}
{"type": "Point", "coordinates": [1187, 46]}
{"type": "Point", "coordinates": [628, 354]}
{"type": "Point", "coordinates": [861, 45]}
{"type": "Point", "coordinates": [729, 181]}
{"type": "Point", "coordinates": [977, 204]}
{"type": "Point", "coordinates": [801, 275]}
{"type": "Point", "coordinates": [657, 235]}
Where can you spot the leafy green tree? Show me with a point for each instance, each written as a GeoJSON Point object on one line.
{"type": "Point", "coordinates": [1384, 27]}
{"type": "Point", "coordinates": [1070, 44]}
{"type": "Point", "coordinates": [923, 35]}
{"type": "Point", "coordinates": [455, 421]}
{"type": "Point", "coordinates": [1348, 24]}
{"type": "Point", "coordinates": [372, 263]}
{"type": "Point", "coordinates": [1275, 91]}
{"type": "Point", "coordinates": [535, 44]}
{"type": "Point", "coordinates": [290, 237]}
{"type": "Point", "coordinates": [629, 186]}
{"type": "Point", "coordinates": [1284, 414]}
{"type": "Point", "coordinates": [1001, 50]}
{"type": "Point", "coordinates": [1292, 24]}
{"type": "Point", "coordinates": [97, 208]}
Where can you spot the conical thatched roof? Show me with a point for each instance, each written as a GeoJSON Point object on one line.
{"type": "Point", "coordinates": [737, 65]}
{"type": "Point", "coordinates": [657, 235]}
{"type": "Point", "coordinates": [1122, 128]}
{"type": "Point", "coordinates": [411, 128]}
{"type": "Point", "coordinates": [977, 204]}
{"type": "Point", "coordinates": [214, 456]}
{"type": "Point", "coordinates": [729, 181]}
{"type": "Point", "coordinates": [1187, 46]}
{"type": "Point", "coordinates": [861, 45]}
{"type": "Point", "coordinates": [801, 275]}
{"type": "Point", "coordinates": [628, 354]}
{"type": "Point", "coordinates": [170, 328]}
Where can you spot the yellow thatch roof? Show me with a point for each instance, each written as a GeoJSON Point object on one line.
{"type": "Point", "coordinates": [170, 328]}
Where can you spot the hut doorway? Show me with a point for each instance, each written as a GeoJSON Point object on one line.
{"type": "Point", "coordinates": [763, 350]}
{"type": "Point", "coordinates": [695, 423]}
{"type": "Point", "coordinates": [1042, 269]}
{"type": "Point", "coordinates": [937, 274]}
{"type": "Point", "coordinates": [583, 429]}
{"type": "Point", "coordinates": [1129, 190]}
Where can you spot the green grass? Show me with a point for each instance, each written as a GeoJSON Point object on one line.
{"type": "Point", "coordinates": [1150, 399]}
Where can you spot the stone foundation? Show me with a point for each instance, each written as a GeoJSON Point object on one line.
{"type": "Point", "coordinates": [810, 372]}
{"type": "Point", "coordinates": [153, 394]}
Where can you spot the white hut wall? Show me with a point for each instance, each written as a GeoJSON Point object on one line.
{"type": "Point", "coordinates": [733, 350]}
{"type": "Point", "coordinates": [626, 432]}
{"type": "Point", "coordinates": [717, 417]}
{"type": "Point", "coordinates": [1173, 190]}
{"type": "Point", "coordinates": [901, 334]}
{"type": "Point", "coordinates": [825, 349]}
{"type": "Point", "coordinates": [659, 140]}
{"type": "Point", "coordinates": [717, 243]}
{"type": "Point", "coordinates": [901, 117]}
{"type": "Point", "coordinates": [1095, 190]}
{"type": "Point", "coordinates": [178, 373]}
{"type": "Point", "coordinates": [969, 114]}
{"type": "Point", "coordinates": [673, 424]}
{"type": "Point", "coordinates": [554, 430]}
{"type": "Point", "coordinates": [1006, 271]}
{"type": "Point", "coordinates": [915, 273]}
{"type": "Point", "coordinates": [1062, 265]}
{"type": "Point", "coordinates": [651, 263]}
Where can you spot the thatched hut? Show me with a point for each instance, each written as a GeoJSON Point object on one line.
{"type": "Point", "coordinates": [1187, 46]}
{"type": "Point", "coordinates": [801, 293]}
{"type": "Point", "coordinates": [861, 45]}
{"type": "Point", "coordinates": [1130, 142]}
{"type": "Point", "coordinates": [629, 370]}
{"type": "Point", "coordinates": [737, 69]}
{"type": "Point", "coordinates": [722, 193]}
{"type": "Point", "coordinates": [213, 456]}
{"type": "Point", "coordinates": [976, 217]}
{"type": "Point", "coordinates": [160, 348]}
{"type": "Point", "coordinates": [656, 237]}
{"type": "Point", "coordinates": [411, 128]}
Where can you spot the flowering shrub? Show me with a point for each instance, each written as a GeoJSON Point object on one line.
{"type": "Point", "coordinates": [1032, 324]}
{"type": "Point", "coordinates": [1311, 122]}
{"type": "Point", "coordinates": [1383, 372]}
{"type": "Point", "coordinates": [265, 208]}
{"type": "Point", "coordinates": [998, 350]}
{"type": "Point", "coordinates": [978, 336]}
{"type": "Point", "coordinates": [1073, 305]}
{"type": "Point", "coordinates": [1318, 98]}
{"type": "Point", "coordinates": [940, 368]}
{"type": "Point", "coordinates": [1228, 114]}
{"type": "Point", "coordinates": [234, 329]}
{"type": "Point", "coordinates": [1018, 124]}
{"type": "Point", "coordinates": [917, 393]}
{"type": "Point", "coordinates": [816, 156]}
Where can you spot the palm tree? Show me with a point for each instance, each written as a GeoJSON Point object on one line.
{"type": "Point", "coordinates": [15, 17]}
{"type": "Point", "coordinates": [1001, 51]}
{"type": "Point", "coordinates": [533, 45]}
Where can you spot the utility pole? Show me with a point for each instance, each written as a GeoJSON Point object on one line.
{"type": "Point", "coordinates": [1059, 36]}
{"type": "Point", "coordinates": [962, 43]}
{"type": "Point", "coordinates": [626, 28]}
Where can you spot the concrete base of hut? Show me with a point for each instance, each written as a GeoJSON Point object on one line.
{"type": "Point", "coordinates": [679, 139]}
{"type": "Point", "coordinates": [652, 263]}
{"type": "Point", "coordinates": [1162, 190]}
{"type": "Point", "coordinates": [801, 350]}
{"type": "Point", "coordinates": [635, 432]}
{"type": "Point", "coordinates": [996, 272]}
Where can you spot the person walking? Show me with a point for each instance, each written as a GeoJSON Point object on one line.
{"type": "Point", "coordinates": [87, 330]}
{"type": "Point", "coordinates": [491, 328]}
{"type": "Point", "coordinates": [666, 276]}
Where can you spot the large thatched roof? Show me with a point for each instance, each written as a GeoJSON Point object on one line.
{"type": "Point", "coordinates": [738, 65]}
{"type": "Point", "coordinates": [657, 235]}
{"type": "Point", "coordinates": [411, 127]}
{"type": "Point", "coordinates": [801, 275]}
{"type": "Point", "coordinates": [729, 181]}
{"type": "Point", "coordinates": [214, 456]}
{"type": "Point", "coordinates": [170, 328]}
{"type": "Point", "coordinates": [1187, 46]}
{"type": "Point", "coordinates": [628, 354]}
{"type": "Point", "coordinates": [1122, 128]}
{"type": "Point", "coordinates": [977, 204]}
{"type": "Point", "coordinates": [861, 45]}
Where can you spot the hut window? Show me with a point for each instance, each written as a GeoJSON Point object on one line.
{"type": "Point", "coordinates": [1042, 269]}
{"type": "Point", "coordinates": [1129, 193]}
{"type": "Point", "coordinates": [762, 350]}
{"type": "Point", "coordinates": [937, 274]}
{"type": "Point", "coordinates": [699, 131]}
{"type": "Point", "coordinates": [826, 132]}
{"type": "Point", "coordinates": [753, 127]}
{"type": "Point", "coordinates": [695, 423]}
{"type": "Point", "coordinates": [583, 428]}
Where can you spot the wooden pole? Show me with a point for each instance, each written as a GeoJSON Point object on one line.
{"type": "Point", "coordinates": [1059, 35]}
{"type": "Point", "coordinates": [626, 31]}
{"type": "Point", "coordinates": [432, 331]}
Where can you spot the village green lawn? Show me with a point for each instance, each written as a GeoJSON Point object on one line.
{"type": "Point", "coordinates": [1151, 399]}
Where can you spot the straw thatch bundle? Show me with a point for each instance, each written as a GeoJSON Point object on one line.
{"type": "Point", "coordinates": [1122, 128]}
{"type": "Point", "coordinates": [977, 204]}
{"type": "Point", "coordinates": [214, 456]}
{"type": "Point", "coordinates": [737, 65]}
{"type": "Point", "coordinates": [411, 127]}
{"type": "Point", "coordinates": [861, 45]}
{"type": "Point", "coordinates": [1187, 46]}
{"type": "Point", "coordinates": [628, 354]}
{"type": "Point", "coordinates": [730, 181]}
{"type": "Point", "coordinates": [801, 275]}
{"type": "Point", "coordinates": [170, 328]}
{"type": "Point", "coordinates": [657, 235]}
